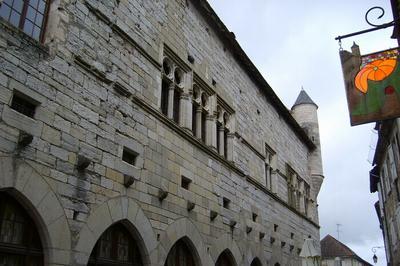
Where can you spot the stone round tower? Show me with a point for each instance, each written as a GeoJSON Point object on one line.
{"type": "Point", "coordinates": [304, 111]}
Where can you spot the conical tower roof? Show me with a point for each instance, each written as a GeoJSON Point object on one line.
{"type": "Point", "coordinates": [303, 98]}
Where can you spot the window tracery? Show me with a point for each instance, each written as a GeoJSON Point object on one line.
{"type": "Point", "coordinates": [116, 246]}
{"type": "Point", "coordinates": [20, 244]}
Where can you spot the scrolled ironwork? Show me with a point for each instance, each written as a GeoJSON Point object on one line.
{"type": "Point", "coordinates": [382, 14]}
{"type": "Point", "coordinates": [375, 26]}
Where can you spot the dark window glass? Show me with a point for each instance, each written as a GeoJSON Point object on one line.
{"type": "Point", "coordinates": [185, 182]}
{"type": "Point", "coordinates": [20, 244]}
{"type": "Point", "coordinates": [203, 126]}
{"type": "Point", "coordinates": [116, 246]}
{"type": "Point", "coordinates": [225, 259]}
{"type": "Point", "coordinates": [226, 143]}
{"type": "Point", "coordinates": [194, 120]}
{"type": "Point", "coordinates": [23, 14]}
{"type": "Point", "coordinates": [180, 255]}
{"type": "Point", "coordinates": [254, 216]}
{"type": "Point", "coordinates": [225, 203]}
{"type": "Point", "coordinates": [129, 156]}
{"type": "Point", "coordinates": [164, 97]}
{"type": "Point", "coordinates": [23, 105]}
{"type": "Point", "coordinates": [256, 262]}
{"type": "Point", "coordinates": [177, 98]}
{"type": "Point", "coordinates": [218, 137]}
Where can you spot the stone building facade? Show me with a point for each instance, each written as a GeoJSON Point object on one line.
{"type": "Point", "coordinates": [139, 133]}
{"type": "Point", "coordinates": [385, 180]}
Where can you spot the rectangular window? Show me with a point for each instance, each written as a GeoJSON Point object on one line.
{"type": "Point", "coordinates": [24, 104]}
{"type": "Point", "coordinates": [269, 157]}
{"type": "Point", "coordinates": [28, 15]}
{"type": "Point", "coordinates": [129, 156]}
{"type": "Point", "coordinates": [164, 97]}
{"type": "Point", "coordinates": [185, 182]}
{"type": "Point", "coordinates": [203, 126]}
{"type": "Point", "coordinates": [254, 217]}
{"type": "Point", "coordinates": [226, 143]}
{"type": "Point", "coordinates": [226, 203]}
{"type": "Point", "coordinates": [194, 120]}
{"type": "Point", "coordinates": [218, 137]}
{"type": "Point", "coordinates": [276, 228]}
{"type": "Point", "coordinates": [177, 99]}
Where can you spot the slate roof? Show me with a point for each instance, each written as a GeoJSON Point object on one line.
{"type": "Point", "coordinates": [332, 248]}
{"type": "Point", "coordinates": [303, 98]}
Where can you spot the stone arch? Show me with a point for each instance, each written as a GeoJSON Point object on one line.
{"type": "Point", "coordinates": [256, 262]}
{"type": "Point", "coordinates": [225, 258]}
{"type": "Point", "coordinates": [120, 209]}
{"type": "Point", "coordinates": [183, 229]}
{"type": "Point", "coordinates": [168, 67]}
{"type": "Point", "coordinates": [25, 184]}
{"type": "Point", "coordinates": [196, 93]}
{"type": "Point", "coordinates": [226, 242]}
{"type": "Point", "coordinates": [254, 252]}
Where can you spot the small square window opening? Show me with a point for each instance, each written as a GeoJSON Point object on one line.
{"type": "Point", "coordinates": [254, 216]}
{"type": "Point", "coordinates": [275, 228]}
{"type": "Point", "coordinates": [23, 104]}
{"type": "Point", "coordinates": [226, 203]}
{"type": "Point", "coordinates": [129, 156]}
{"type": "Point", "coordinates": [185, 183]}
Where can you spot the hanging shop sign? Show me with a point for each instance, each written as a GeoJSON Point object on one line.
{"type": "Point", "coordinates": [372, 85]}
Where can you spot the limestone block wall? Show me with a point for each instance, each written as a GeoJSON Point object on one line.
{"type": "Point", "coordinates": [97, 87]}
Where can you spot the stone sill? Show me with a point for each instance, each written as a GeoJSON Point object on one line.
{"type": "Point", "coordinates": [23, 37]}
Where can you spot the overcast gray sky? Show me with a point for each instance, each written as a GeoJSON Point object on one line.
{"type": "Point", "coordinates": [292, 44]}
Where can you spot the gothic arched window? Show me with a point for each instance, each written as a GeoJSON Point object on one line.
{"type": "Point", "coordinates": [256, 262]}
{"type": "Point", "coordinates": [225, 259]}
{"type": "Point", "coordinates": [180, 255]}
{"type": "Point", "coordinates": [20, 243]}
{"type": "Point", "coordinates": [116, 246]}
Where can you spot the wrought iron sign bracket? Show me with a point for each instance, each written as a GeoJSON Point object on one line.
{"type": "Point", "coordinates": [375, 26]}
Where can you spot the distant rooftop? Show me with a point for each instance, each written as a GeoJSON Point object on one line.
{"type": "Point", "coordinates": [303, 98]}
{"type": "Point", "coordinates": [332, 248]}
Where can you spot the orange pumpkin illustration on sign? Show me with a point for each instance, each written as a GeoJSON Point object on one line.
{"type": "Point", "coordinates": [376, 71]}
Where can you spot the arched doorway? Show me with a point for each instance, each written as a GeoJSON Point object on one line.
{"type": "Point", "coordinates": [225, 259]}
{"type": "Point", "coordinates": [256, 262]}
{"type": "Point", "coordinates": [116, 246]}
{"type": "Point", "coordinates": [180, 255]}
{"type": "Point", "coordinates": [20, 243]}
